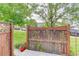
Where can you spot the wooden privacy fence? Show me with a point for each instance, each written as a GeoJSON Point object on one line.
{"type": "Point", "coordinates": [6, 39]}
{"type": "Point", "coordinates": [49, 39]}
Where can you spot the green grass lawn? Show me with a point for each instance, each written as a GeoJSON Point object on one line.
{"type": "Point", "coordinates": [20, 37]}
{"type": "Point", "coordinates": [72, 45]}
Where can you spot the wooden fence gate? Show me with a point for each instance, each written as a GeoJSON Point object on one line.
{"type": "Point", "coordinates": [5, 39]}
{"type": "Point", "coordinates": [52, 39]}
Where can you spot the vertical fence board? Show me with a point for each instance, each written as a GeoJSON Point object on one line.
{"type": "Point", "coordinates": [6, 39]}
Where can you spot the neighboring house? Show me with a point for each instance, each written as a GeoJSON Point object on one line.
{"type": "Point", "coordinates": [74, 30]}
{"type": "Point", "coordinates": [20, 28]}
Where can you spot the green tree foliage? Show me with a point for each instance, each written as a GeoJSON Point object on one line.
{"type": "Point", "coordinates": [31, 22]}
{"type": "Point", "coordinates": [15, 13]}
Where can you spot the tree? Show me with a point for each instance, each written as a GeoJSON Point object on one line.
{"type": "Point", "coordinates": [15, 13]}
{"type": "Point", "coordinates": [31, 22]}
{"type": "Point", "coordinates": [52, 12]}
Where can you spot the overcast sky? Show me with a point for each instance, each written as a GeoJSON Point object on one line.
{"type": "Point", "coordinates": [37, 18]}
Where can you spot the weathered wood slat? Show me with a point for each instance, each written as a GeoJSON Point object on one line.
{"type": "Point", "coordinates": [50, 41]}
{"type": "Point", "coordinates": [61, 28]}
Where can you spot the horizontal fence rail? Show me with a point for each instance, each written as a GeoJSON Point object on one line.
{"type": "Point", "coordinates": [49, 39]}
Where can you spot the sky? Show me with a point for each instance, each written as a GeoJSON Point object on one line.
{"type": "Point", "coordinates": [37, 18]}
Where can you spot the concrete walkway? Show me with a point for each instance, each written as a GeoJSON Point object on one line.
{"type": "Point", "coordinates": [32, 53]}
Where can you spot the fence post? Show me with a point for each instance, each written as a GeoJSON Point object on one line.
{"type": "Point", "coordinates": [68, 40]}
{"type": "Point", "coordinates": [11, 39]}
{"type": "Point", "coordinates": [27, 37]}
